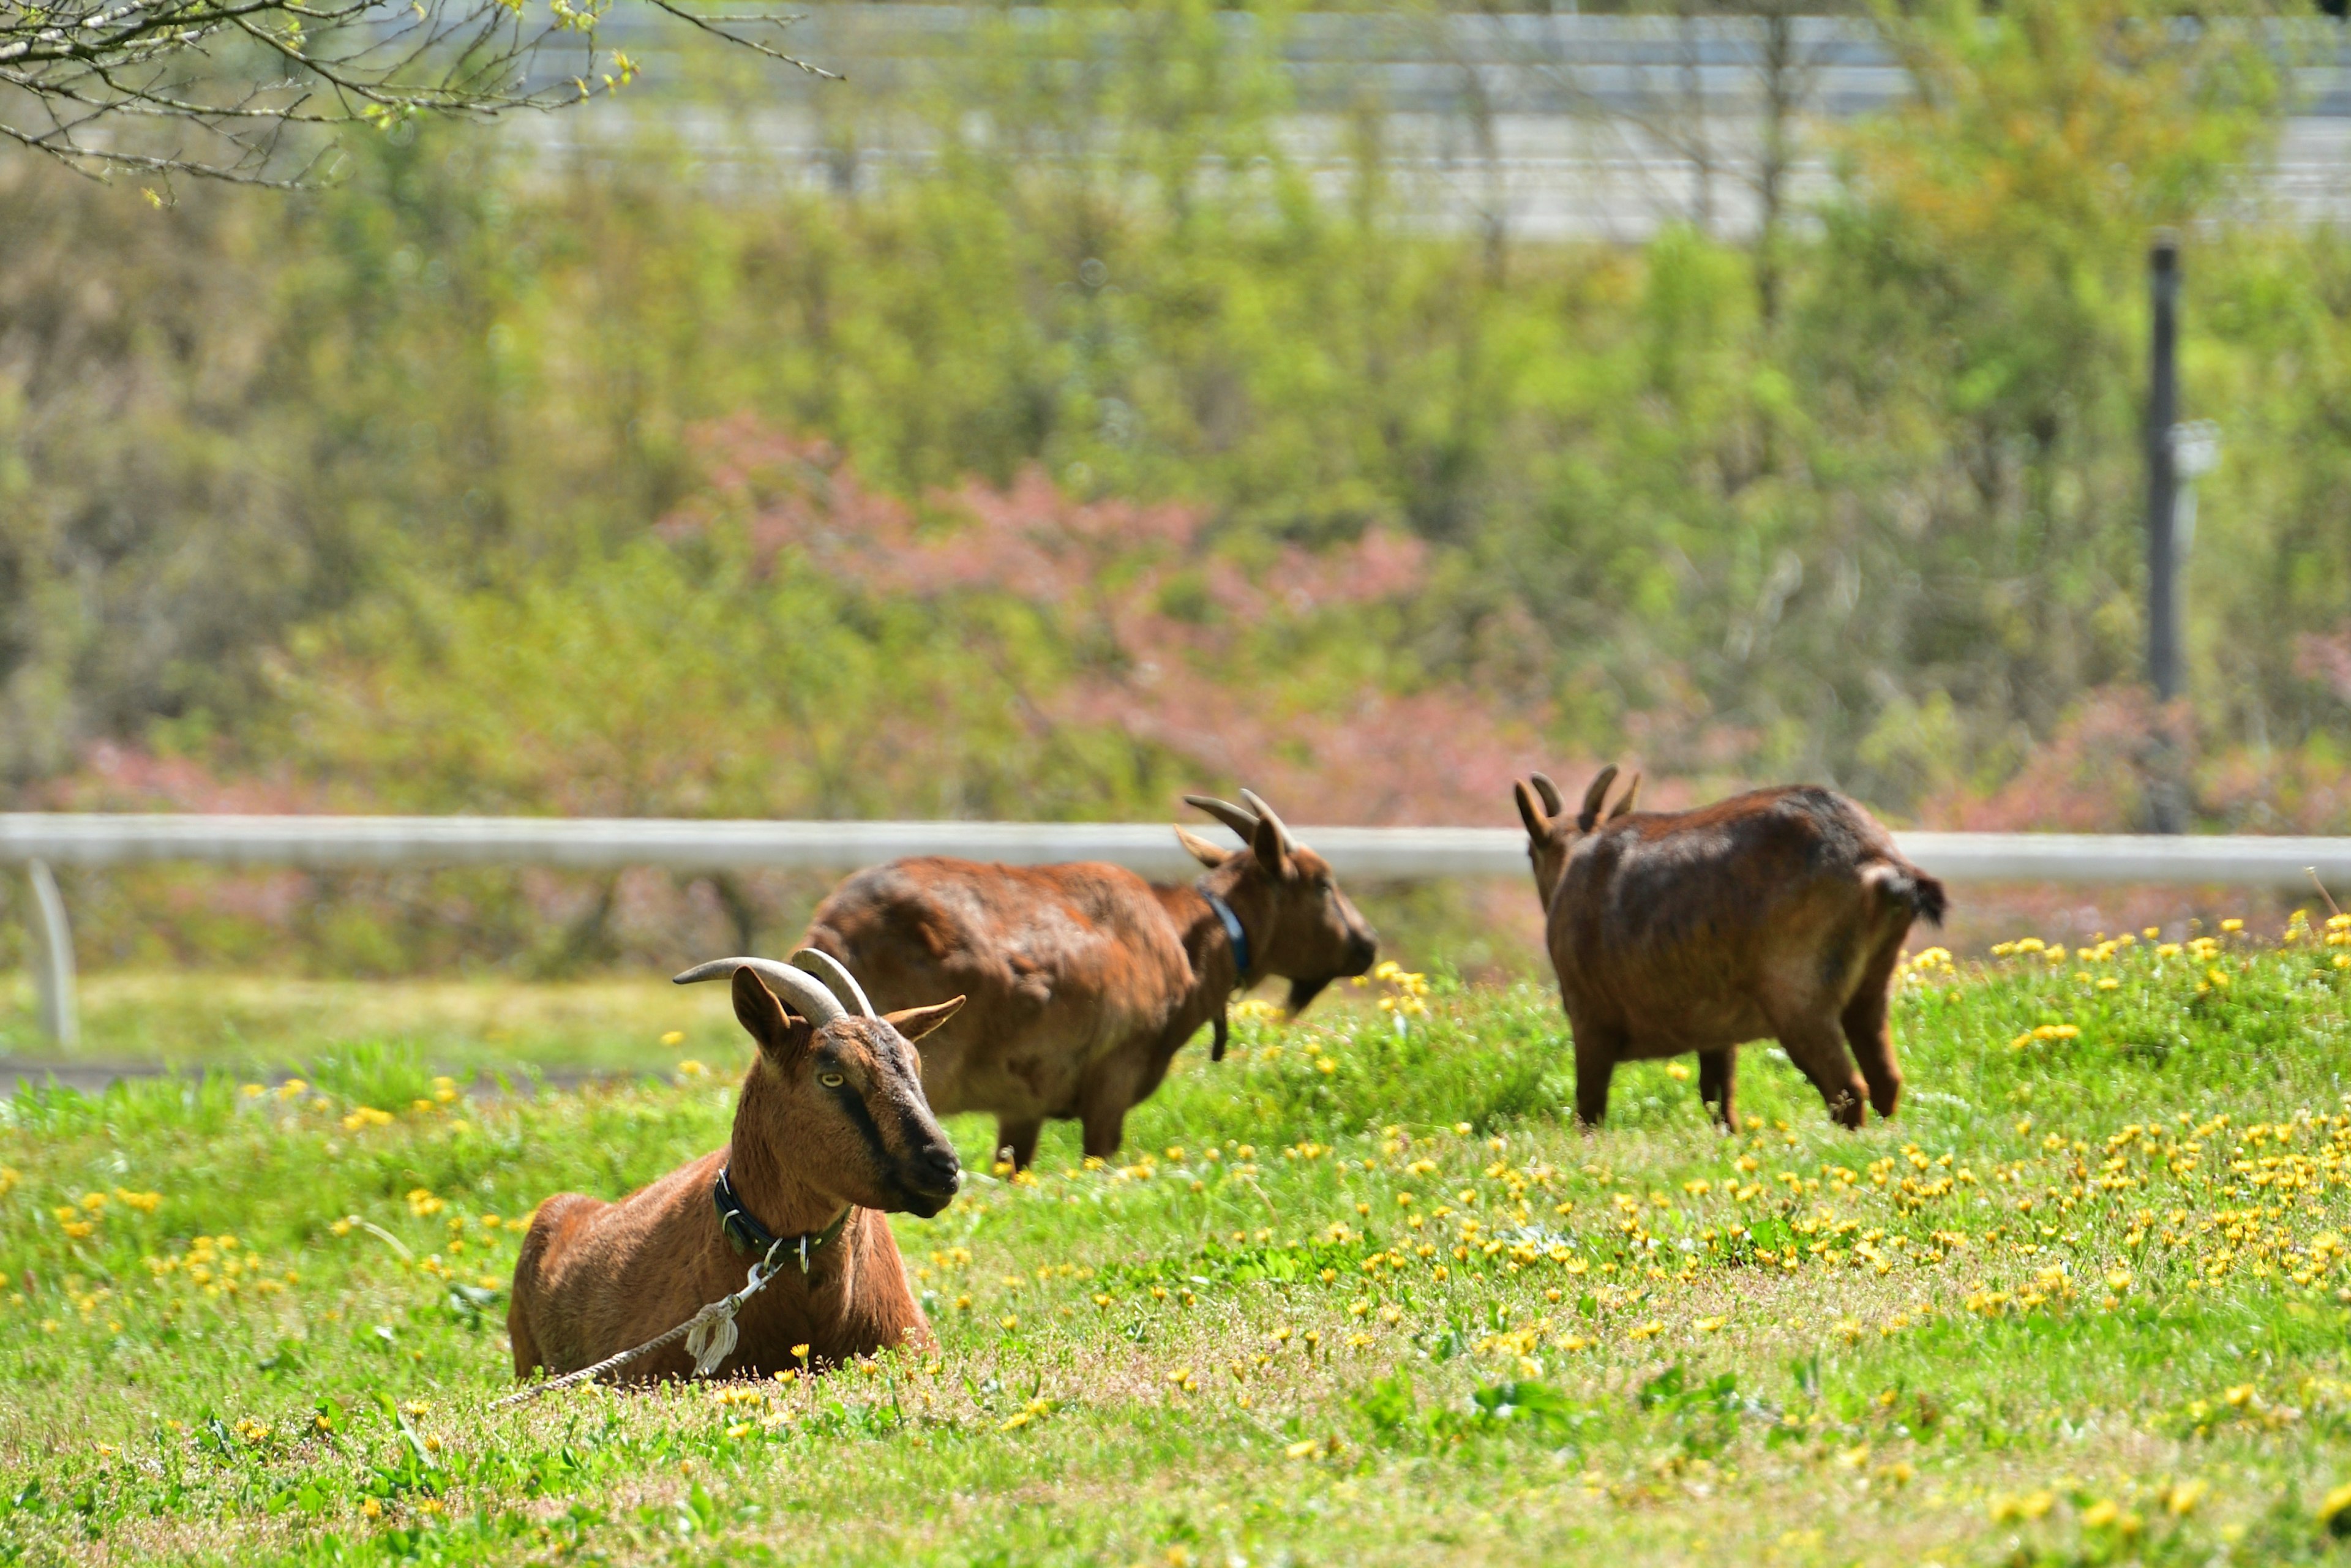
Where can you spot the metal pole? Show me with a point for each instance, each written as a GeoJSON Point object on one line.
{"type": "Point", "coordinates": [53, 958]}
{"type": "Point", "coordinates": [2162, 479]}
{"type": "Point", "coordinates": [2166, 797]}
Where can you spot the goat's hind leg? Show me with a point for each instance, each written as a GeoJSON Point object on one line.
{"type": "Point", "coordinates": [526, 1359]}
{"type": "Point", "coordinates": [1103, 1098]}
{"type": "Point", "coordinates": [1717, 1072]}
{"type": "Point", "coordinates": [1816, 1045]}
{"type": "Point", "coordinates": [1596, 1052]}
{"type": "Point", "coordinates": [1017, 1141]}
{"type": "Point", "coordinates": [1868, 1031]}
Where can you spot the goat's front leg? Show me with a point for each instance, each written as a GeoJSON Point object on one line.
{"type": "Point", "coordinates": [1718, 1073]}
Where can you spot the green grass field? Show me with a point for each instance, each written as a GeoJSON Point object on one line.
{"type": "Point", "coordinates": [1363, 1293]}
{"type": "Point", "coordinates": [268, 1027]}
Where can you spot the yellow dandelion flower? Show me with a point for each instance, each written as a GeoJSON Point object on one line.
{"type": "Point", "coordinates": [673, 1036]}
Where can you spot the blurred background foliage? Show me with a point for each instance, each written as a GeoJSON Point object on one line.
{"type": "Point", "coordinates": [1114, 453]}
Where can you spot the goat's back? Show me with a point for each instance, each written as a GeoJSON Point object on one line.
{"type": "Point", "coordinates": [594, 1277]}
{"type": "Point", "coordinates": [1060, 964]}
{"type": "Point", "coordinates": [1693, 929]}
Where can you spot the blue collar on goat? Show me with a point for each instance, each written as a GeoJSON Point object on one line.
{"type": "Point", "coordinates": [1238, 936]}
{"type": "Point", "coordinates": [1234, 933]}
{"type": "Point", "coordinates": [745, 1234]}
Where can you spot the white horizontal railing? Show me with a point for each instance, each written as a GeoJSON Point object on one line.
{"type": "Point", "coordinates": [40, 840]}
{"type": "Point", "coordinates": [683, 844]}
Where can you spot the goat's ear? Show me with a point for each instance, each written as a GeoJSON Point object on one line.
{"type": "Point", "coordinates": [1529, 813]}
{"type": "Point", "coordinates": [1624, 801]}
{"type": "Point", "coordinates": [1586, 819]}
{"type": "Point", "coordinates": [916, 1022]}
{"type": "Point", "coordinates": [1266, 844]}
{"type": "Point", "coordinates": [778, 1031]}
{"type": "Point", "coordinates": [1200, 849]}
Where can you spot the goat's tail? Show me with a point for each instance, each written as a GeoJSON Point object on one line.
{"type": "Point", "coordinates": [1907, 884]}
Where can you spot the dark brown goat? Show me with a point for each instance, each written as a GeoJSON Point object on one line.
{"type": "Point", "coordinates": [1085, 981]}
{"type": "Point", "coordinates": [1778, 914]}
{"type": "Point", "coordinates": [830, 1131]}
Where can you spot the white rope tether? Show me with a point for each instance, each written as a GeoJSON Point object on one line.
{"type": "Point", "coordinates": [710, 1334]}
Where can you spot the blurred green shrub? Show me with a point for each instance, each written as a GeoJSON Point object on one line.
{"type": "Point", "coordinates": [1110, 456]}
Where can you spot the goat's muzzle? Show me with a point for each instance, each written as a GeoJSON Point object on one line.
{"type": "Point", "coordinates": [933, 1178]}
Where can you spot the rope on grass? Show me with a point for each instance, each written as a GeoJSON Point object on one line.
{"type": "Point", "coordinates": [710, 1334]}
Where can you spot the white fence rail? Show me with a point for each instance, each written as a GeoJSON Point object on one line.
{"type": "Point", "coordinates": [1542, 123]}
{"type": "Point", "coordinates": [39, 841]}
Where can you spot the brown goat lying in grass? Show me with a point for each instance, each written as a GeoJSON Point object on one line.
{"type": "Point", "coordinates": [1085, 979]}
{"type": "Point", "coordinates": [1778, 914]}
{"type": "Point", "coordinates": [830, 1131]}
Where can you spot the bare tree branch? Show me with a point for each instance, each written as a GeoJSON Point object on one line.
{"type": "Point", "coordinates": [248, 91]}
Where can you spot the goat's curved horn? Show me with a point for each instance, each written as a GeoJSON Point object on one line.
{"type": "Point", "coordinates": [1624, 801]}
{"type": "Point", "coordinates": [1255, 802]}
{"type": "Point", "coordinates": [1552, 804]}
{"type": "Point", "coordinates": [803, 990]}
{"type": "Point", "coordinates": [1590, 814]}
{"type": "Point", "coordinates": [844, 984]}
{"type": "Point", "coordinates": [1239, 821]}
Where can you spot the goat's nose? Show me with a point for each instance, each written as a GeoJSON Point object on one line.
{"type": "Point", "coordinates": [940, 1161]}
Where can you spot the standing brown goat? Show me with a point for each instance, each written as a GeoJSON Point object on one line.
{"type": "Point", "coordinates": [1085, 981]}
{"type": "Point", "coordinates": [830, 1131]}
{"type": "Point", "coordinates": [1778, 914]}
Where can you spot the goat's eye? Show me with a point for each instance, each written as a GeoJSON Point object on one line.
{"type": "Point", "coordinates": [830, 1079]}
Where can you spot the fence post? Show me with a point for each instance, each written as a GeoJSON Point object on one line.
{"type": "Point", "coordinates": [53, 958]}
{"type": "Point", "coordinates": [2166, 791]}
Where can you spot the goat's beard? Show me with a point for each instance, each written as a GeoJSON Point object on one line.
{"type": "Point", "coordinates": [1303, 992]}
